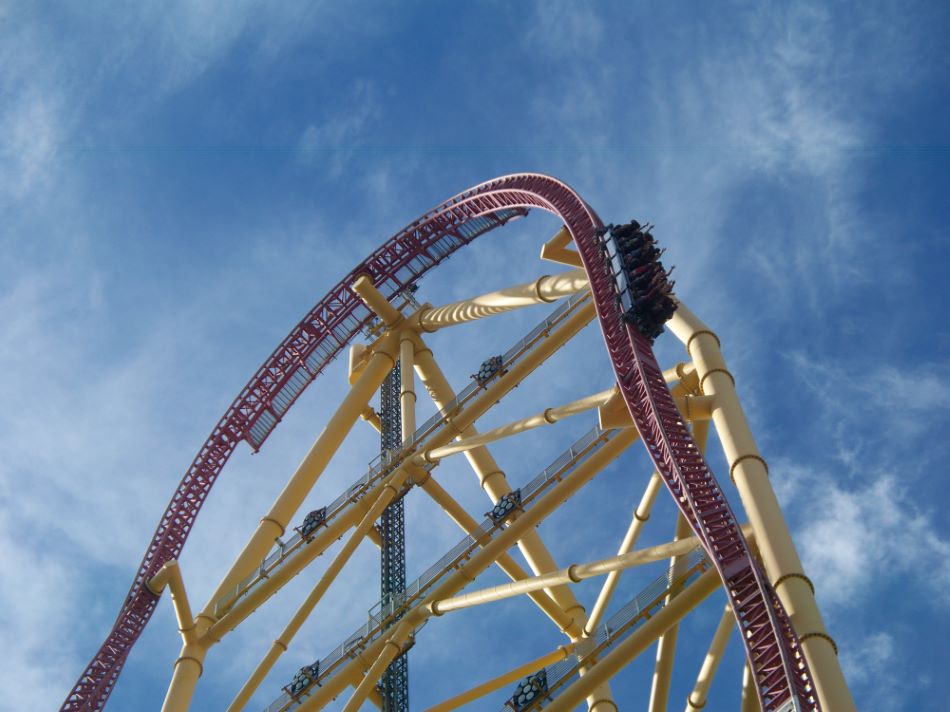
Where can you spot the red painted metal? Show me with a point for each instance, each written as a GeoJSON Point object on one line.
{"type": "Point", "coordinates": [771, 645]}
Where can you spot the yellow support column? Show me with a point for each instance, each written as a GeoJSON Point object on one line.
{"type": "Point", "coordinates": [314, 463]}
{"type": "Point", "coordinates": [543, 290]}
{"type": "Point", "coordinates": [389, 491]}
{"type": "Point", "coordinates": [407, 386]}
{"type": "Point", "coordinates": [640, 516]}
{"type": "Point", "coordinates": [495, 484]}
{"type": "Point", "coordinates": [750, 474]}
{"type": "Point", "coordinates": [696, 700]}
{"type": "Point", "coordinates": [666, 645]}
{"type": "Point", "coordinates": [482, 559]}
{"type": "Point", "coordinates": [512, 676]}
{"type": "Point", "coordinates": [190, 662]}
{"type": "Point", "coordinates": [638, 641]}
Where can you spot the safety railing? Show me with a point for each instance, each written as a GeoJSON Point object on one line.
{"type": "Point", "coordinates": [639, 609]}
{"type": "Point", "coordinates": [381, 615]}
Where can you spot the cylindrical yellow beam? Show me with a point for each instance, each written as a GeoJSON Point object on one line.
{"type": "Point", "coordinates": [490, 475]}
{"type": "Point", "coordinates": [638, 641]}
{"type": "Point", "coordinates": [543, 289]}
{"type": "Point", "coordinates": [170, 575]}
{"type": "Point", "coordinates": [349, 516]}
{"type": "Point", "coordinates": [407, 386]}
{"type": "Point", "coordinates": [188, 668]}
{"type": "Point", "coordinates": [750, 698]}
{"type": "Point", "coordinates": [514, 675]}
{"type": "Point", "coordinates": [372, 297]}
{"type": "Point", "coordinates": [389, 653]}
{"type": "Point", "coordinates": [666, 645]}
{"type": "Point", "coordinates": [548, 416]}
{"type": "Point", "coordinates": [387, 492]}
{"type": "Point", "coordinates": [314, 463]}
{"type": "Point", "coordinates": [750, 474]}
{"type": "Point", "coordinates": [507, 564]}
{"type": "Point", "coordinates": [697, 698]}
{"type": "Point", "coordinates": [575, 573]}
{"type": "Point", "coordinates": [482, 559]}
{"type": "Point", "coordinates": [640, 516]}
{"type": "Point", "coordinates": [250, 602]}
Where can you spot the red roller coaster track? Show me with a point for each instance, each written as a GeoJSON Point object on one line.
{"type": "Point", "coordinates": [771, 645]}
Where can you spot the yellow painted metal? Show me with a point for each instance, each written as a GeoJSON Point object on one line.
{"type": "Point", "coordinates": [547, 417]}
{"type": "Point", "coordinates": [638, 641]}
{"type": "Point", "coordinates": [358, 356]}
{"type": "Point", "coordinates": [507, 564]}
{"type": "Point", "coordinates": [407, 386]}
{"type": "Point", "coordinates": [618, 415]}
{"type": "Point", "coordinates": [250, 602]}
{"type": "Point", "coordinates": [750, 474]}
{"type": "Point", "coordinates": [363, 286]}
{"type": "Point", "coordinates": [507, 678]}
{"type": "Point", "coordinates": [190, 663]}
{"type": "Point", "coordinates": [574, 573]}
{"type": "Point", "coordinates": [492, 478]}
{"type": "Point", "coordinates": [187, 670]}
{"type": "Point", "coordinates": [349, 516]}
{"type": "Point", "coordinates": [314, 463]}
{"type": "Point", "coordinates": [750, 700]}
{"type": "Point", "coordinates": [696, 700]}
{"type": "Point", "coordinates": [391, 650]}
{"type": "Point", "coordinates": [371, 417]}
{"type": "Point", "coordinates": [482, 559]}
{"type": "Point", "coordinates": [666, 646]}
{"type": "Point", "coordinates": [556, 249]}
{"type": "Point", "coordinates": [386, 493]}
{"type": "Point", "coordinates": [640, 516]}
{"type": "Point", "coordinates": [170, 575]}
{"type": "Point", "coordinates": [548, 288]}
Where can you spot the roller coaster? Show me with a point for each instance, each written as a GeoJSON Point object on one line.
{"type": "Point", "coordinates": [615, 278]}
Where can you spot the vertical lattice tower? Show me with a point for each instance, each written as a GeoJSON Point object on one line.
{"type": "Point", "coordinates": [394, 686]}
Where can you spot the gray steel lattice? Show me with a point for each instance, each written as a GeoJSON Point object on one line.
{"type": "Point", "coordinates": [394, 685]}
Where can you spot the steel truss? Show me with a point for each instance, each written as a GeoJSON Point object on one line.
{"type": "Point", "coordinates": [790, 666]}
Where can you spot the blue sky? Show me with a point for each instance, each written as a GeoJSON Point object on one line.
{"type": "Point", "coordinates": [180, 182]}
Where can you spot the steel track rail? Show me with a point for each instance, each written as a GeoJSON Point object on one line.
{"type": "Point", "coordinates": [772, 648]}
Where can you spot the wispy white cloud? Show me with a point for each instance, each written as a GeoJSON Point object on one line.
{"type": "Point", "coordinates": [892, 403]}
{"type": "Point", "coordinates": [854, 535]}
{"type": "Point", "coordinates": [332, 140]}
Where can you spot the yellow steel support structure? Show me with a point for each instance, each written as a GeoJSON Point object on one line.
{"type": "Point", "coordinates": [638, 641]}
{"type": "Point", "coordinates": [481, 560]}
{"type": "Point", "coordinates": [575, 573]}
{"type": "Point", "coordinates": [407, 386]}
{"type": "Point", "coordinates": [490, 475]}
{"type": "Point", "coordinates": [511, 568]}
{"type": "Point", "coordinates": [750, 473]}
{"type": "Point", "coordinates": [513, 675]}
{"type": "Point", "coordinates": [640, 516]}
{"type": "Point", "coordinates": [697, 698]}
{"type": "Point", "coordinates": [387, 493]}
{"type": "Point", "coordinates": [544, 289]}
{"type": "Point", "coordinates": [548, 417]}
{"type": "Point", "coordinates": [275, 522]}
